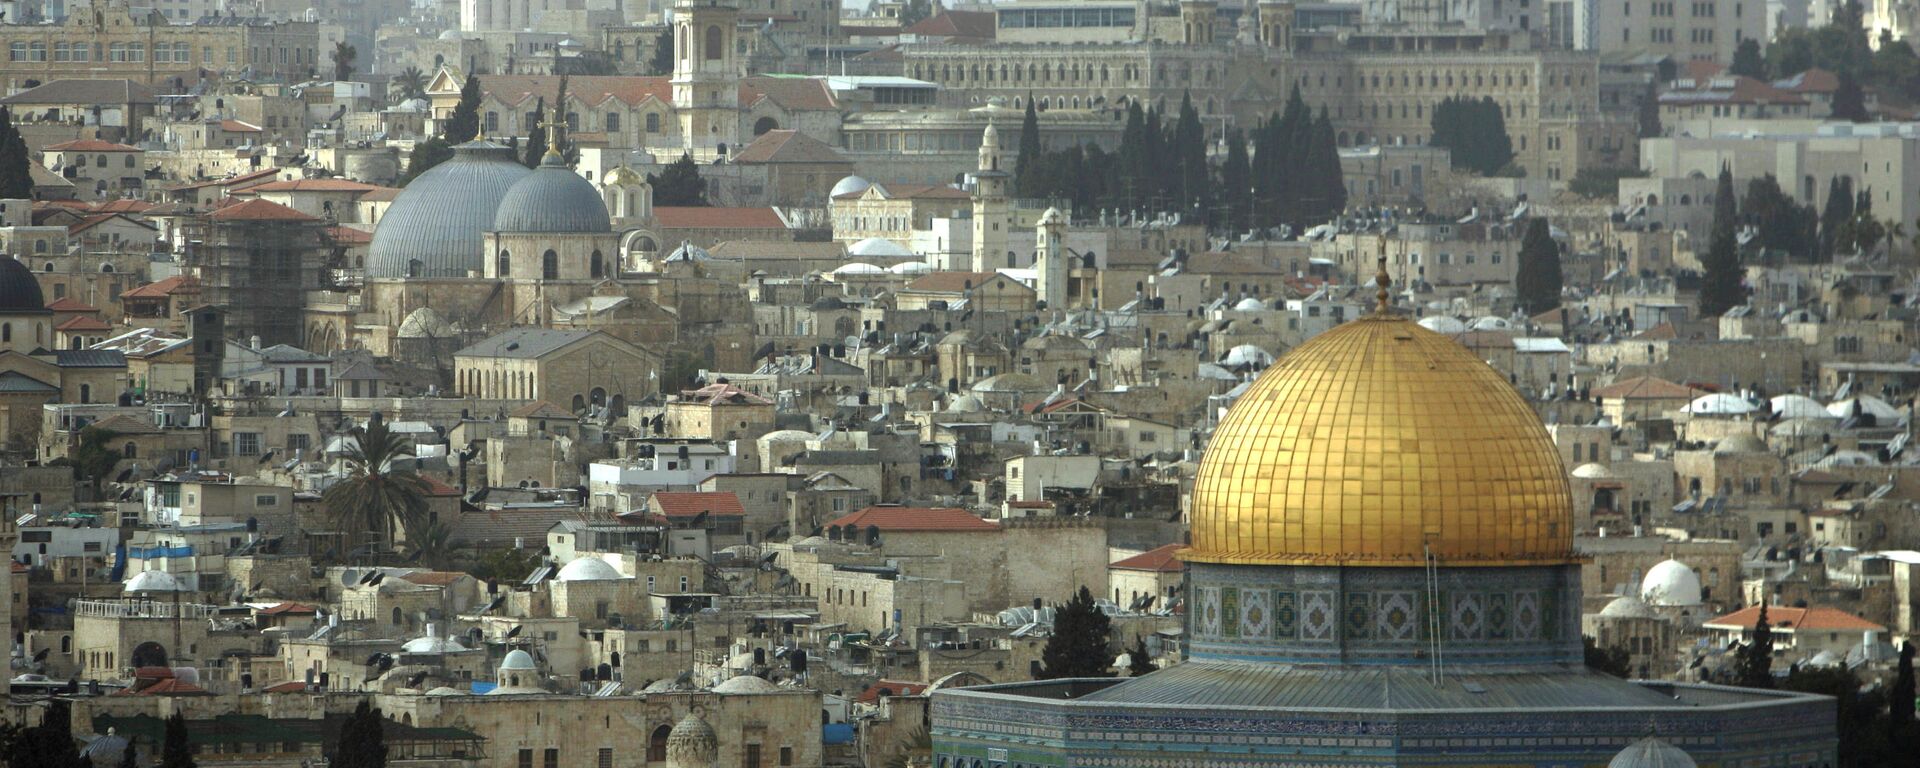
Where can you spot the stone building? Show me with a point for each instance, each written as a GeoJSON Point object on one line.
{"type": "Point", "coordinates": [574, 367]}
{"type": "Point", "coordinates": [109, 40]}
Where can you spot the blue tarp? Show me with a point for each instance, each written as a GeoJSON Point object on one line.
{"type": "Point", "coordinates": [833, 734]}
{"type": "Point", "coordinates": [151, 553]}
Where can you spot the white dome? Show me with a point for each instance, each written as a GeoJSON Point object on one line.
{"type": "Point", "coordinates": [1592, 471]}
{"type": "Point", "coordinates": [878, 246]}
{"type": "Point", "coordinates": [1879, 409]}
{"type": "Point", "coordinates": [433, 645]}
{"type": "Point", "coordinates": [1628, 607]}
{"type": "Point", "coordinates": [1849, 459]}
{"type": "Point", "coordinates": [1740, 443]}
{"type": "Point", "coordinates": [1246, 354]}
{"type": "Point", "coordinates": [746, 684]}
{"type": "Point", "coordinates": [1652, 753]}
{"type": "Point", "coordinates": [589, 569]}
{"type": "Point", "coordinates": [1250, 304]}
{"type": "Point", "coordinates": [1798, 407]}
{"type": "Point", "coordinates": [147, 582]}
{"type": "Point", "coordinates": [851, 185]}
{"type": "Point", "coordinates": [787, 436]}
{"type": "Point", "coordinates": [1802, 427]}
{"type": "Point", "coordinates": [445, 691]}
{"type": "Point", "coordinates": [966, 404]}
{"type": "Point", "coordinates": [1719, 404]}
{"type": "Point", "coordinates": [911, 268]}
{"type": "Point", "coordinates": [859, 268]}
{"type": "Point", "coordinates": [451, 34]}
{"type": "Point", "coordinates": [1825, 658]}
{"type": "Point", "coordinates": [1491, 323]}
{"type": "Point", "coordinates": [518, 661]}
{"type": "Point", "coordinates": [1443, 324]}
{"type": "Point", "coordinates": [1671, 583]}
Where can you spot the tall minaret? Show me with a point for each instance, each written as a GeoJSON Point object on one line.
{"type": "Point", "coordinates": [706, 77]}
{"type": "Point", "coordinates": [992, 211]}
{"type": "Point", "coordinates": [1050, 259]}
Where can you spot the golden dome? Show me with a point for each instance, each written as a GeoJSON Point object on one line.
{"type": "Point", "coordinates": [1372, 441]}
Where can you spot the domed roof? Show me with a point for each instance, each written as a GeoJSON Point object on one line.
{"type": "Point", "coordinates": [966, 404]}
{"type": "Point", "coordinates": [1491, 323]}
{"type": "Point", "coordinates": [689, 252]}
{"type": "Point", "coordinates": [1869, 405]}
{"type": "Point", "coordinates": [692, 742]}
{"type": "Point", "coordinates": [811, 541]}
{"type": "Point", "coordinates": [1670, 583]}
{"type": "Point", "coordinates": [433, 645]}
{"type": "Point", "coordinates": [851, 185]}
{"type": "Point", "coordinates": [105, 750]}
{"type": "Point", "coordinates": [1011, 382]}
{"type": "Point", "coordinates": [1052, 216]}
{"type": "Point", "coordinates": [518, 660]}
{"type": "Point", "coordinates": [1592, 471]}
{"type": "Point", "coordinates": [451, 34]}
{"type": "Point", "coordinates": [1740, 443]}
{"type": "Point", "coordinates": [1848, 459]}
{"type": "Point", "coordinates": [1825, 658]}
{"type": "Point", "coordinates": [1443, 324]}
{"type": "Point", "coordinates": [623, 176]}
{"type": "Point", "coordinates": [1247, 354]}
{"type": "Point", "coordinates": [1801, 427]}
{"type": "Point", "coordinates": [1798, 407]}
{"type": "Point", "coordinates": [879, 246]}
{"type": "Point", "coordinates": [445, 691]}
{"type": "Point", "coordinates": [424, 323]}
{"type": "Point", "coordinates": [1719, 404]}
{"type": "Point", "coordinates": [1250, 304]}
{"type": "Point", "coordinates": [787, 436]}
{"type": "Point", "coordinates": [745, 684]}
{"type": "Point", "coordinates": [552, 199]}
{"type": "Point", "coordinates": [1652, 753]}
{"type": "Point", "coordinates": [439, 219]}
{"type": "Point", "coordinates": [911, 268]}
{"type": "Point", "coordinates": [589, 569]}
{"type": "Point", "coordinates": [1360, 447]}
{"type": "Point", "coordinates": [19, 290]}
{"type": "Point", "coordinates": [152, 581]}
{"type": "Point", "coordinates": [1629, 607]}
{"type": "Point", "coordinates": [859, 268]}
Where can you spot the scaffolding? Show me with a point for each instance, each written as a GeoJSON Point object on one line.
{"type": "Point", "coordinates": [260, 270]}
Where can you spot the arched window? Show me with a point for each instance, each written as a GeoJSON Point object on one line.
{"type": "Point", "coordinates": [714, 47]}
{"type": "Point", "coordinates": [596, 264]}
{"type": "Point", "coordinates": [579, 403]}
{"type": "Point", "coordinates": [765, 124]}
{"type": "Point", "coordinates": [657, 744]}
{"type": "Point", "coordinates": [130, 451]}
{"type": "Point", "coordinates": [397, 615]}
{"type": "Point", "coordinates": [550, 265]}
{"type": "Point", "coordinates": [503, 264]}
{"type": "Point", "coordinates": [86, 393]}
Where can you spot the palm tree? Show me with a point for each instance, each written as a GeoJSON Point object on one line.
{"type": "Point", "coordinates": [381, 494]}
{"type": "Point", "coordinates": [411, 83]}
{"type": "Point", "coordinates": [343, 60]}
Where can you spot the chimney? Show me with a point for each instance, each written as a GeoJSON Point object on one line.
{"type": "Point", "coordinates": [254, 342]}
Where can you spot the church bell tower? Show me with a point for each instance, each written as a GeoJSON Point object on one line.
{"type": "Point", "coordinates": [706, 77]}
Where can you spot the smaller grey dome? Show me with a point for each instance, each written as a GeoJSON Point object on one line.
{"type": "Point", "coordinates": [518, 660]}
{"type": "Point", "coordinates": [851, 185]}
{"type": "Point", "coordinates": [1651, 752]}
{"type": "Point", "coordinates": [552, 199]}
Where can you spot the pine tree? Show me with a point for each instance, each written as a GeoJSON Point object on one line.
{"type": "Point", "coordinates": [679, 184]}
{"type": "Point", "coordinates": [1330, 198]}
{"type": "Point", "coordinates": [1849, 101]}
{"type": "Point", "coordinates": [568, 153]}
{"type": "Point", "coordinates": [1139, 661]}
{"type": "Point", "coordinates": [1236, 183]}
{"type": "Point", "coordinates": [1747, 61]}
{"type": "Point", "coordinates": [662, 63]}
{"type": "Point", "coordinates": [1190, 151]}
{"type": "Point", "coordinates": [1900, 698]}
{"type": "Point", "coordinates": [16, 176]}
{"type": "Point", "coordinates": [1756, 658]}
{"type": "Point", "coordinates": [1027, 179]}
{"type": "Point", "coordinates": [1538, 280]}
{"type": "Point", "coordinates": [1649, 114]}
{"type": "Point", "coordinates": [1079, 644]}
{"type": "Point", "coordinates": [1720, 288]}
{"type": "Point", "coordinates": [464, 123]}
{"type": "Point", "coordinates": [362, 743]}
{"type": "Point", "coordinates": [425, 156]}
{"type": "Point", "coordinates": [1836, 218]}
{"type": "Point", "coordinates": [536, 147]}
{"type": "Point", "coordinates": [175, 752]}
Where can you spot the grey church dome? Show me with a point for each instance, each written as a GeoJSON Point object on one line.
{"type": "Point", "coordinates": [552, 199]}
{"type": "Point", "coordinates": [19, 290]}
{"type": "Point", "coordinates": [438, 220]}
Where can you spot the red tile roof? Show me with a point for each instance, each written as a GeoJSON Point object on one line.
{"type": "Point", "coordinates": [1815, 619]}
{"type": "Point", "coordinates": [1163, 559]}
{"type": "Point", "coordinates": [285, 609]}
{"type": "Point", "coordinates": [722, 394]}
{"type": "Point", "coordinates": [101, 218]}
{"type": "Point", "coordinates": [680, 217]}
{"type": "Point", "coordinates": [89, 145]}
{"type": "Point", "coordinates": [976, 24]}
{"type": "Point", "coordinates": [690, 503]}
{"type": "Point", "coordinates": [924, 519]}
{"type": "Point", "coordinates": [164, 288]}
{"type": "Point", "coordinates": [437, 488]}
{"type": "Point", "coordinates": [259, 210]}
{"type": "Point", "coordinates": [122, 206]}
{"type": "Point", "coordinates": [83, 323]}
{"type": "Point", "coordinates": [167, 687]}
{"type": "Point", "coordinates": [788, 146]}
{"type": "Point", "coordinates": [872, 693]}
{"type": "Point", "coordinates": [232, 180]}
{"type": "Point", "coordinates": [71, 304]}
{"type": "Point", "coordinates": [1814, 80]}
{"type": "Point", "coordinates": [1742, 90]}
{"type": "Point", "coordinates": [1646, 388]}
{"type": "Point", "coordinates": [292, 686]}
{"type": "Point", "coordinates": [314, 185]}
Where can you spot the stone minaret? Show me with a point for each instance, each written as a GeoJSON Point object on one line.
{"type": "Point", "coordinates": [706, 77]}
{"type": "Point", "coordinates": [992, 210]}
{"type": "Point", "coordinates": [1050, 259]}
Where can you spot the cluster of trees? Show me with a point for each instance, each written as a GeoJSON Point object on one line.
{"type": "Point", "coordinates": [1876, 727]}
{"type": "Point", "coordinates": [1081, 643]}
{"type": "Point", "coordinates": [16, 173]}
{"type": "Point", "coordinates": [1287, 171]}
{"type": "Point", "coordinates": [1846, 224]}
{"type": "Point", "coordinates": [50, 744]}
{"type": "Point", "coordinates": [679, 184]}
{"type": "Point", "coordinates": [1840, 47]}
{"type": "Point", "coordinates": [1475, 131]}
{"type": "Point", "coordinates": [361, 743]}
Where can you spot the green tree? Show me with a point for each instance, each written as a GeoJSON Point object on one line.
{"type": "Point", "coordinates": [1860, 716]}
{"type": "Point", "coordinates": [1236, 183]}
{"type": "Point", "coordinates": [464, 124]}
{"type": "Point", "coordinates": [1079, 646]}
{"type": "Point", "coordinates": [1596, 182]}
{"type": "Point", "coordinates": [426, 155]}
{"type": "Point", "coordinates": [1139, 661]}
{"type": "Point", "coordinates": [1782, 224]}
{"type": "Point", "coordinates": [1894, 69]}
{"type": "Point", "coordinates": [1136, 166]}
{"type": "Point", "coordinates": [1649, 113]}
{"type": "Point", "coordinates": [381, 494]}
{"type": "Point", "coordinates": [662, 62]}
{"type": "Point", "coordinates": [504, 565]}
{"type": "Point", "coordinates": [568, 152]}
{"type": "Point", "coordinates": [344, 57]}
{"type": "Point", "coordinates": [1027, 178]}
{"type": "Point", "coordinates": [1537, 280]}
{"type": "Point", "coordinates": [1720, 288]}
{"type": "Point", "coordinates": [1329, 196]}
{"type": "Point", "coordinates": [175, 752]}
{"type": "Point", "coordinates": [411, 83]}
{"type": "Point", "coordinates": [1611, 660]}
{"type": "Point", "coordinates": [679, 184]}
{"type": "Point", "coordinates": [1190, 154]}
{"type": "Point", "coordinates": [1756, 657]}
{"type": "Point", "coordinates": [536, 146]}
{"type": "Point", "coordinates": [916, 10]}
{"type": "Point", "coordinates": [1747, 60]}
{"type": "Point", "coordinates": [681, 371]}
{"type": "Point", "coordinates": [1475, 132]}
{"type": "Point", "coordinates": [362, 743]}
{"type": "Point", "coordinates": [95, 457]}
{"type": "Point", "coordinates": [16, 174]}
{"type": "Point", "coordinates": [130, 757]}
{"type": "Point", "coordinates": [1900, 700]}
{"type": "Point", "coordinates": [1849, 101]}
{"type": "Point", "coordinates": [1836, 218]}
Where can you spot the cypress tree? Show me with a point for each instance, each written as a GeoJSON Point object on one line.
{"type": "Point", "coordinates": [130, 757]}
{"type": "Point", "coordinates": [1756, 659]}
{"type": "Point", "coordinates": [1078, 646]}
{"type": "Point", "coordinates": [662, 63]}
{"type": "Point", "coordinates": [1747, 61]}
{"type": "Point", "coordinates": [175, 752]}
{"type": "Point", "coordinates": [1327, 174]}
{"type": "Point", "coordinates": [1849, 101]}
{"type": "Point", "coordinates": [1900, 697]}
{"type": "Point", "coordinates": [679, 184]}
{"type": "Point", "coordinates": [1190, 151]}
{"type": "Point", "coordinates": [567, 150]}
{"type": "Point", "coordinates": [1649, 114]}
{"type": "Point", "coordinates": [1836, 217]}
{"type": "Point", "coordinates": [362, 743]}
{"type": "Point", "coordinates": [1538, 280]}
{"type": "Point", "coordinates": [16, 177]}
{"type": "Point", "coordinates": [1139, 661]}
{"type": "Point", "coordinates": [464, 123]}
{"type": "Point", "coordinates": [1027, 180]}
{"type": "Point", "coordinates": [536, 136]}
{"type": "Point", "coordinates": [1135, 166]}
{"type": "Point", "coordinates": [1236, 180]}
{"type": "Point", "coordinates": [1720, 288]}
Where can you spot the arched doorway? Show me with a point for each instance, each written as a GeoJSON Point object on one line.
{"type": "Point", "coordinates": [765, 124]}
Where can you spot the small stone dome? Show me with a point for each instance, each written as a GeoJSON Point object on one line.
{"type": "Point", "coordinates": [148, 582]}
{"type": "Point", "coordinates": [1491, 323]}
{"type": "Point", "coordinates": [1719, 404]}
{"type": "Point", "coordinates": [425, 323]}
{"type": "Point", "coordinates": [519, 661]}
{"type": "Point", "coordinates": [851, 185]}
{"type": "Point", "coordinates": [1246, 354]}
{"type": "Point", "coordinates": [746, 684]}
{"type": "Point", "coordinates": [879, 247]}
{"type": "Point", "coordinates": [911, 268]}
{"type": "Point", "coordinates": [859, 268]}
{"type": "Point", "coordinates": [966, 404]}
{"type": "Point", "coordinates": [1052, 216]}
{"type": "Point", "coordinates": [1592, 471]}
{"type": "Point", "coordinates": [19, 290]}
{"type": "Point", "coordinates": [451, 34]}
{"type": "Point", "coordinates": [589, 569]}
{"type": "Point", "coordinates": [1629, 607]}
{"type": "Point", "coordinates": [553, 199]}
{"type": "Point", "coordinates": [445, 691]}
{"type": "Point", "coordinates": [1868, 405]}
{"type": "Point", "coordinates": [1671, 583]}
{"type": "Point", "coordinates": [689, 252]}
{"type": "Point", "coordinates": [1652, 753]}
{"type": "Point", "coordinates": [692, 743]}
{"type": "Point", "coordinates": [1250, 304]}
{"type": "Point", "coordinates": [787, 436]}
{"type": "Point", "coordinates": [106, 750]}
{"type": "Point", "coordinates": [1798, 407]}
{"type": "Point", "coordinates": [432, 643]}
{"type": "Point", "coordinates": [623, 177]}
{"type": "Point", "coordinates": [1443, 324]}
{"type": "Point", "coordinates": [1741, 443]}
